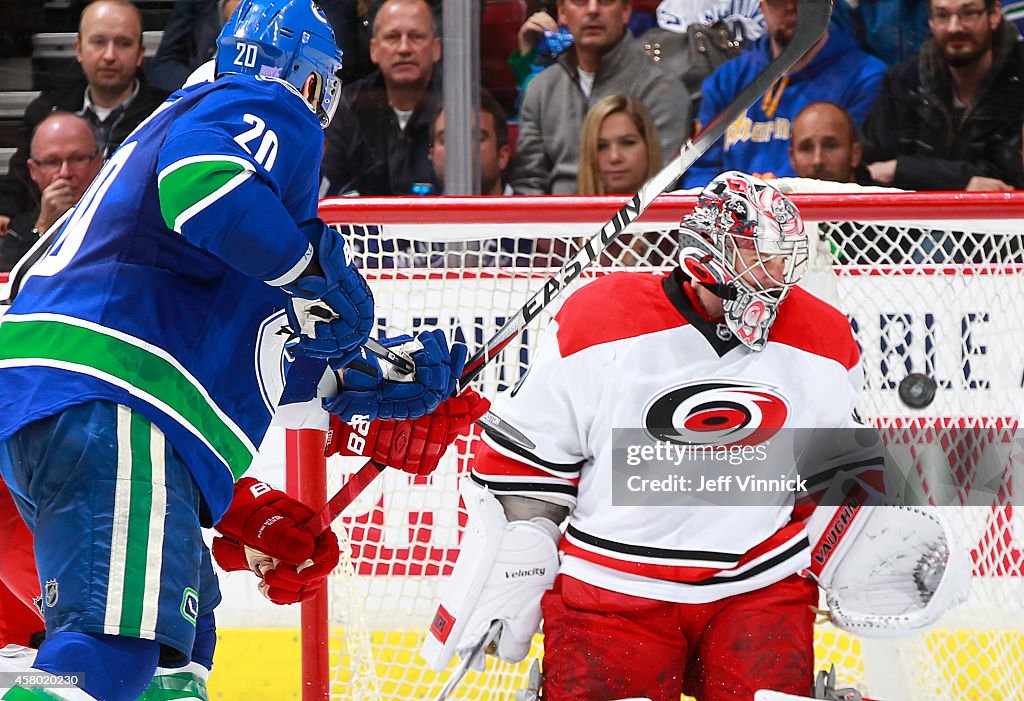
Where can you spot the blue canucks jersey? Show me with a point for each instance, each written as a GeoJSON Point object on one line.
{"type": "Point", "coordinates": [161, 290]}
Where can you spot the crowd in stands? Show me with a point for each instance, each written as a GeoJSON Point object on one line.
{"type": "Point", "coordinates": [911, 94]}
{"type": "Point", "coordinates": [379, 141]}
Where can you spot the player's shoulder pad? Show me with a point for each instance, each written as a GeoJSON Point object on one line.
{"type": "Point", "coordinates": [811, 324]}
{"type": "Point", "coordinates": [613, 307]}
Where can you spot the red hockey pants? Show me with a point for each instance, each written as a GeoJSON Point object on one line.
{"type": "Point", "coordinates": [601, 645]}
{"type": "Point", "coordinates": [19, 584]}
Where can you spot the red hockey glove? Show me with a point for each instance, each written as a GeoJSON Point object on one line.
{"type": "Point", "coordinates": [263, 531]}
{"type": "Point", "coordinates": [412, 445]}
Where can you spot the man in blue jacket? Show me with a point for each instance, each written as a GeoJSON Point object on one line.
{"type": "Point", "coordinates": [834, 70]}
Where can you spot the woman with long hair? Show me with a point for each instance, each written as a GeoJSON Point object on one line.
{"type": "Point", "coordinates": [619, 152]}
{"type": "Point", "coordinates": [619, 147]}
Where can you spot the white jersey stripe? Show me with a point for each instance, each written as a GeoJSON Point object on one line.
{"type": "Point", "coordinates": [119, 528]}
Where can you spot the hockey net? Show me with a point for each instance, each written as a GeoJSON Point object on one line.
{"type": "Point", "coordinates": [932, 283]}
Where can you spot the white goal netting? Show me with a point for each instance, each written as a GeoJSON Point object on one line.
{"type": "Point", "coordinates": [932, 284]}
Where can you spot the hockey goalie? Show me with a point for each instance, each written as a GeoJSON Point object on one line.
{"type": "Point", "coordinates": [659, 596]}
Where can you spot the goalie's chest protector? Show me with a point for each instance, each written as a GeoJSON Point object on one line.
{"type": "Point", "coordinates": [631, 361]}
{"type": "Point", "coordinates": [124, 309]}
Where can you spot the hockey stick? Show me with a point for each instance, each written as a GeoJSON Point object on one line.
{"type": "Point", "coordinates": [362, 478]}
{"type": "Point", "coordinates": [404, 364]}
{"type": "Point", "coordinates": [811, 21]}
{"type": "Point", "coordinates": [407, 366]}
{"type": "Point", "coordinates": [464, 666]}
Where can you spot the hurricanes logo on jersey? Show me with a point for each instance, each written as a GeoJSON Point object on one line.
{"type": "Point", "coordinates": [721, 413]}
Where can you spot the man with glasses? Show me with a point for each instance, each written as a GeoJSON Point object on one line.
{"type": "Point", "coordinates": [950, 118]}
{"type": "Point", "coordinates": [112, 94]}
{"type": "Point", "coordinates": [604, 60]}
{"type": "Point", "coordinates": [65, 159]}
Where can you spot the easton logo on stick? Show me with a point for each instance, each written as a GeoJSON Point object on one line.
{"type": "Point", "coordinates": [582, 259]}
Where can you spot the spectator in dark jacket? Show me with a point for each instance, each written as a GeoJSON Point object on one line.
{"type": "Point", "coordinates": [379, 141]}
{"type": "Point", "coordinates": [65, 159]}
{"type": "Point", "coordinates": [950, 119]}
{"type": "Point", "coordinates": [113, 96]}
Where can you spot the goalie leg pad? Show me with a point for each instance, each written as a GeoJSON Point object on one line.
{"type": "Point", "coordinates": [502, 572]}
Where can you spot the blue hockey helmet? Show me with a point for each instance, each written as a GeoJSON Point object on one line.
{"type": "Point", "coordinates": [286, 39]}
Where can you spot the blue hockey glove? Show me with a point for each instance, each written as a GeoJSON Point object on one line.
{"type": "Point", "coordinates": [388, 394]}
{"type": "Point", "coordinates": [333, 314]}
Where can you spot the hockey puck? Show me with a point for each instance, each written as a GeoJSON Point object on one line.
{"type": "Point", "coordinates": [917, 390]}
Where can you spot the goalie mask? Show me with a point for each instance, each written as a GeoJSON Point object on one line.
{"type": "Point", "coordinates": [290, 40]}
{"type": "Point", "coordinates": [745, 242]}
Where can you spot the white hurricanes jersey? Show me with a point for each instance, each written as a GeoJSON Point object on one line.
{"type": "Point", "coordinates": [630, 354]}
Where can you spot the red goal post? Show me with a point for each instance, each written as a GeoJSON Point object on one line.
{"type": "Point", "coordinates": [932, 283]}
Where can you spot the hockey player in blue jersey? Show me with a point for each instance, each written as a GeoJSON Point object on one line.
{"type": "Point", "coordinates": [141, 360]}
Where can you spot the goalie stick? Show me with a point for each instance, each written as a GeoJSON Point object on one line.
{"type": "Point", "coordinates": [811, 21]}
{"type": "Point", "coordinates": [467, 662]}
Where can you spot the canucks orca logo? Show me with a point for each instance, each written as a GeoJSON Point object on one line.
{"type": "Point", "coordinates": [190, 605]}
{"type": "Point", "coordinates": [274, 353]}
{"type": "Point", "coordinates": [722, 413]}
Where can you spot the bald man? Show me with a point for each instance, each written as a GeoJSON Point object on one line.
{"type": "Point", "coordinates": [824, 143]}
{"type": "Point", "coordinates": [65, 158]}
{"type": "Point", "coordinates": [112, 93]}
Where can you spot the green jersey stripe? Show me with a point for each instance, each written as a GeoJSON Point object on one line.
{"type": "Point", "coordinates": [181, 685]}
{"type": "Point", "coordinates": [63, 342]}
{"type": "Point", "coordinates": [157, 508]}
{"type": "Point", "coordinates": [190, 185]}
{"type": "Point", "coordinates": [140, 506]}
{"type": "Point", "coordinates": [21, 694]}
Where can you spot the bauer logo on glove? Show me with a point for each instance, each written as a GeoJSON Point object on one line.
{"type": "Point", "coordinates": [411, 445]}
{"type": "Point", "coordinates": [267, 532]}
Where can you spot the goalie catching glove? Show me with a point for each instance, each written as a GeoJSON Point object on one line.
{"type": "Point", "coordinates": [264, 530]}
{"type": "Point", "coordinates": [887, 571]}
{"type": "Point", "coordinates": [412, 445]}
{"type": "Point", "coordinates": [333, 314]}
{"type": "Point", "coordinates": [502, 572]}
{"type": "Point", "coordinates": [374, 389]}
